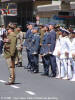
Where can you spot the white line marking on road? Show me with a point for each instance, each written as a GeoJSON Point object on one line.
{"type": "Point", "coordinates": [30, 92]}
{"type": "Point", "coordinates": [16, 87]}
{"type": "Point", "coordinates": [2, 81]}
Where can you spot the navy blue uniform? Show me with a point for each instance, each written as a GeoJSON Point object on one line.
{"type": "Point", "coordinates": [44, 51]}
{"type": "Point", "coordinates": [27, 44]}
{"type": "Point", "coordinates": [34, 51]}
{"type": "Point", "coordinates": [52, 40]}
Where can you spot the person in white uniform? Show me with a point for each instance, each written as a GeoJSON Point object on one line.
{"type": "Point", "coordinates": [65, 62]}
{"type": "Point", "coordinates": [72, 54]}
{"type": "Point", "coordinates": [57, 53]}
{"type": "Point", "coordinates": [2, 34]}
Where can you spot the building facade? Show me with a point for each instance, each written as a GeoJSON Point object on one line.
{"type": "Point", "coordinates": [60, 11]}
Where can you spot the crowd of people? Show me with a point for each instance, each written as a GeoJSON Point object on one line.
{"type": "Point", "coordinates": [53, 43]}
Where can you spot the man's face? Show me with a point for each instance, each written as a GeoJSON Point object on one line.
{"type": "Point", "coordinates": [30, 26]}
{"type": "Point", "coordinates": [72, 35]}
{"type": "Point", "coordinates": [64, 34]}
{"type": "Point", "coordinates": [15, 25]}
{"type": "Point", "coordinates": [45, 28]}
{"type": "Point", "coordinates": [27, 26]}
{"type": "Point", "coordinates": [18, 29]}
{"type": "Point", "coordinates": [9, 31]}
{"type": "Point", "coordinates": [51, 27]}
{"type": "Point", "coordinates": [59, 33]}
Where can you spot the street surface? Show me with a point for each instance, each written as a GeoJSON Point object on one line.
{"type": "Point", "coordinates": [29, 86]}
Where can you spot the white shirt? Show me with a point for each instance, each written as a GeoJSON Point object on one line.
{"type": "Point", "coordinates": [64, 46]}
{"type": "Point", "coordinates": [72, 48]}
{"type": "Point", "coordinates": [68, 46]}
{"type": "Point", "coordinates": [2, 30]}
{"type": "Point", "coordinates": [1, 35]}
{"type": "Point", "coordinates": [58, 46]}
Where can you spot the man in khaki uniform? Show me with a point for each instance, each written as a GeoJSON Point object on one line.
{"type": "Point", "coordinates": [19, 46]}
{"type": "Point", "coordinates": [41, 32]}
{"type": "Point", "coordinates": [9, 53]}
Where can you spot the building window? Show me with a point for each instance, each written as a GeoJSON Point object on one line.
{"type": "Point", "coordinates": [44, 20]}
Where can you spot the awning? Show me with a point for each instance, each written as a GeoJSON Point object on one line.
{"type": "Point", "coordinates": [15, 0]}
{"type": "Point", "coordinates": [5, 0]}
{"type": "Point", "coordinates": [55, 6]}
{"type": "Point", "coordinates": [48, 8]}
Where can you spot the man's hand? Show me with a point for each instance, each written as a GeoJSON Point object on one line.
{"type": "Point", "coordinates": [73, 55]}
{"type": "Point", "coordinates": [49, 44]}
{"type": "Point", "coordinates": [40, 44]}
{"type": "Point", "coordinates": [41, 56]}
{"type": "Point", "coordinates": [58, 53]}
{"type": "Point", "coordinates": [6, 40]}
{"type": "Point", "coordinates": [66, 54]}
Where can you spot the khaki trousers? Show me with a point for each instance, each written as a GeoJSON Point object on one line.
{"type": "Point", "coordinates": [11, 68]}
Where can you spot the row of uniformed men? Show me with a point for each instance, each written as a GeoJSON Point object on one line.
{"type": "Point", "coordinates": [58, 53]}
{"type": "Point", "coordinates": [43, 45]}
{"type": "Point", "coordinates": [65, 54]}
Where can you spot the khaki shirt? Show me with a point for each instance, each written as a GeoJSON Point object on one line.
{"type": "Point", "coordinates": [20, 39]}
{"type": "Point", "coordinates": [15, 31]}
{"type": "Point", "coordinates": [10, 47]}
{"type": "Point", "coordinates": [41, 35]}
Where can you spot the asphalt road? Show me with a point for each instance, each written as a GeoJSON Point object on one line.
{"type": "Point", "coordinates": [29, 86]}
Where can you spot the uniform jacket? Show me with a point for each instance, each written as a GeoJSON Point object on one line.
{"type": "Point", "coordinates": [64, 46]}
{"type": "Point", "coordinates": [20, 38]}
{"type": "Point", "coordinates": [35, 44]}
{"type": "Point", "coordinates": [57, 46]}
{"type": "Point", "coordinates": [27, 34]}
{"type": "Point", "coordinates": [71, 47]}
{"type": "Point", "coordinates": [10, 46]}
{"type": "Point", "coordinates": [52, 40]}
{"type": "Point", "coordinates": [45, 48]}
{"type": "Point", "coordinates": [67, 45]}
{"type": "Point", "coordinates": [28, 39]}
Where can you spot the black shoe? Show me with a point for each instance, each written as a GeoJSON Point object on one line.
{"type": "Point", "coordinates": [29, 70]}
{"type": "Point", "coordinates": [53, 75]}
{"type": "Point", "coordinates": [20, 64]}
{"type": "Point", "coordinates": [9, 83]}
{"type": "Point", "coordinates": [45, 74]}
{"type": "Point", "coordinates": [32, 70]}
{"type": "Point", "coordinates": [16, 65]}
{"type": "Point", "coordinates": [27, 67]}
{"type": "Point", "coordinates": [36, 71]}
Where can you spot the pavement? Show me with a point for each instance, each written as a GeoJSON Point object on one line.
{"type": "Point", "coordinates": [29, 86]}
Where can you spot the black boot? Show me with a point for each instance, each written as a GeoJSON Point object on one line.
{"type": "Point", "coordinates": [20, 64]}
